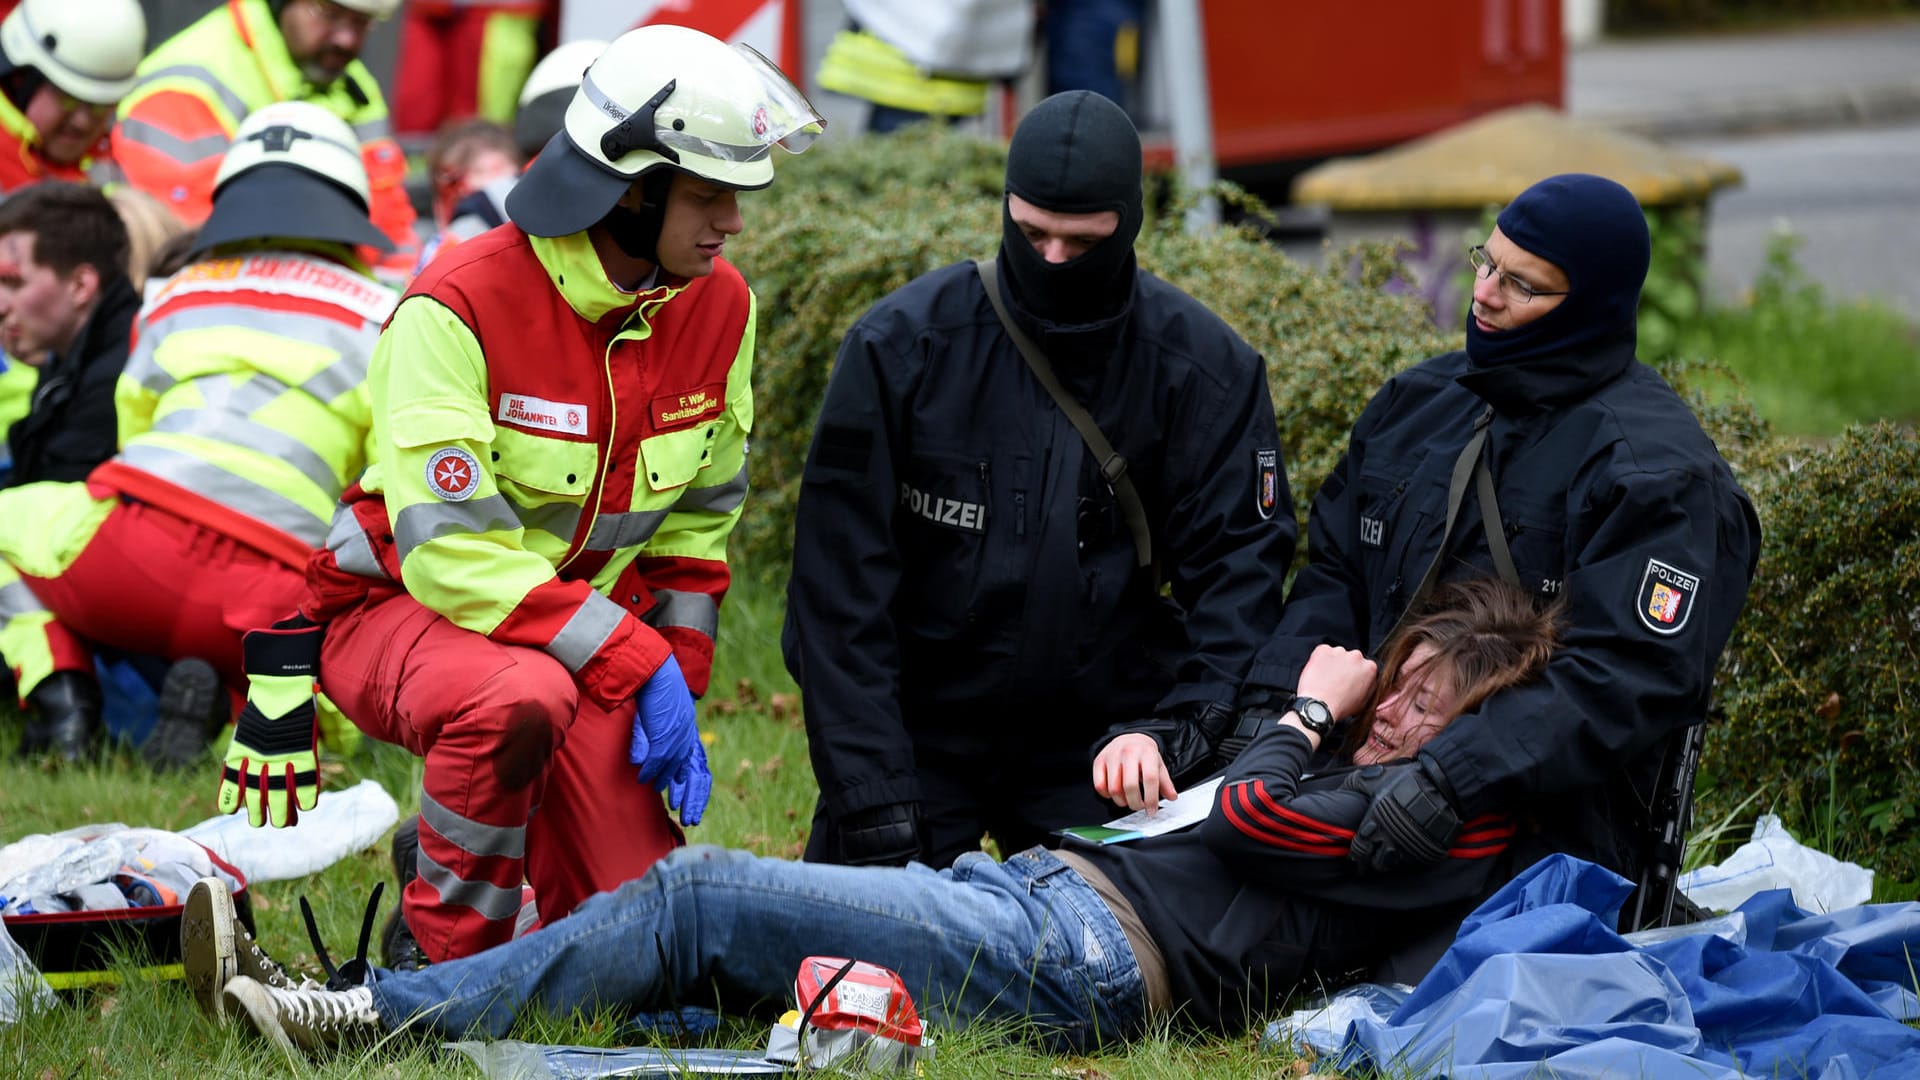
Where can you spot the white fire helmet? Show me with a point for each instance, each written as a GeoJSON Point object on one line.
{"type": "Point", "coordinates": [86, 48]}
{"type": "Point", "coordinates": [294, 171]}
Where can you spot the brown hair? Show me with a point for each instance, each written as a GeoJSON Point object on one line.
{"type": "Point", "coordinates": [461, 141]}
{"type": "Point", "coordinates": [1486, 636]}
{"type": "Point", "coordinates": [73, 225]}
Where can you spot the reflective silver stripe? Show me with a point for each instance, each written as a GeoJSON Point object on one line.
{"type": "Point", "coordinates": [590, 627]}
{"type": "Point", "coordinates": [354, 344]}
{"type": "Point", "coordinates": [352, 551]}
{"type": "Point", "coordinates": [471, 836]}
{"type": "Point", "coordinates": [559, 518]}
{"type": "Point", "coordinates": [235, 394]}
{"type": "Point", "coordinates": [232, 102]}
{"type": "Point", "coordinates": [142, 367]}
{"type": "Point", "coordinates": [369, 130]}
{"type": "Point", "coordinates": [490, 900]}
{"type": "Point", "coordinates": [611, 532]}
{"type": "Point", "coordinates": [17, 600]}
{"type": "Point", "coordinates": [718, 499]}
{"type": "Point", "coordinates": [423, 522]}
{"type": "Point", "coordinates": [184, 151]}
{"type": "Point", "coordinates": [236, 493]}
{"type": "Point", "coordinates": [689, 610]}
{"type": "Point", "coordinates": [234, 430]}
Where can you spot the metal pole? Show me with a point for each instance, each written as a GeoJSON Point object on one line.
{"type": "Point", "coordinates": [1191, 106]}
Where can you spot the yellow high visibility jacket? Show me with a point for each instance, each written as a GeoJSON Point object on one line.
{"type": "Point", "coordinates": [196, 87]}
{"type": "Point", "coordinates": [244, 404]}
{"type": "Point", "coordinates": [558, 463]}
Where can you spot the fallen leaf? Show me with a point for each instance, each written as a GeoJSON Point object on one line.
{"type": "Point", "coordinates": [1829, 708]}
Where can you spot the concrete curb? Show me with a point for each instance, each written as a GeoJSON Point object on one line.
{"type": "Point", "coordinates": [1777, 111]}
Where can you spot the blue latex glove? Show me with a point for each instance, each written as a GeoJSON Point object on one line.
{"type": "Point", "coordinates": [664, 735]}
{"type": "Point", "coordinates": [687, 792]}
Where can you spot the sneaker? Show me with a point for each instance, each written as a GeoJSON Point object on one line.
{"type": "Point", "coordinates": [215, 948]}
{"type": "Point", "coordinates": [188, 698]}
{"type": "Point", "coordinates": [311, 1018]}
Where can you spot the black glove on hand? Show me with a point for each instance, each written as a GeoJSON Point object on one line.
{"type": "Point", "coordinates": [882, 835]}
{"type": "Point", "coordinates": [1411, 822]}
{"type": "Point", "coordinates": [1245, 726]}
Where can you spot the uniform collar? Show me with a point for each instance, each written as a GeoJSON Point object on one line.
{"type": "Point", "coordinates": [575, 271]}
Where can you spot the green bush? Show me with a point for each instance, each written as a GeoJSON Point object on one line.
{"type": "Point", "coordinates": [1819, 682]}
{"type": "Point", "coordinates": [1654, 15]}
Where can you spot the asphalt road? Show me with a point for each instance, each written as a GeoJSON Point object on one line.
{"type": "Point", "coordinates": [1853, 194]}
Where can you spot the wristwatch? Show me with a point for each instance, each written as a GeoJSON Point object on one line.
{"type": "Point", "coordinates": [1313, 713]}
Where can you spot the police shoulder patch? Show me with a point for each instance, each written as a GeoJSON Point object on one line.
{"type": "Point", "coordinates": [452, 474]}
{"type": "Point", "coordinates": [1266, 482]}
{"type": "Point", "coordinates": [1666, 597]}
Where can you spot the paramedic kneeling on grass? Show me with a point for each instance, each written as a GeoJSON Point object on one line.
{"type": "Point", "coordinates": [1217, 924]}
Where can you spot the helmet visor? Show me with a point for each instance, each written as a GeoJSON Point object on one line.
{"type": "Point", "coordinates": [780, 115]}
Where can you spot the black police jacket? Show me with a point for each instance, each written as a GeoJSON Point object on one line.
{"type": "Point", "coordinates": [71, 425]}
{"type": "Point", "coordinates": [961, 569]}
{"type": "Point", "coordinates": [1613, 498]}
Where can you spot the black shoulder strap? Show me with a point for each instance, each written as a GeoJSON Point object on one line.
{"type": "Point", "coordinates": [1113, 467]}
{"type": "Point", "coordinates": [1471, 464]}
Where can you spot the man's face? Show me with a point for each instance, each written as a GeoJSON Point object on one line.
{"type": "Point", "coordinates": [1495, 306]}
{"type": "Point", "coordinates": [700, 216]}
{"type": "Point", "coordinates": [40, 310]}
{"type": "Point", "coordinates": [1060, 237]}
{"type": "Point", "coordinates": [323, 37]}
{"type": "Point", "coordinates": [67, 127]}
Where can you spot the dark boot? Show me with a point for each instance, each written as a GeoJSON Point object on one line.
{"type": "Point", "coordinates": [65, 715]}
{"type": "Point", "coordinates": [192, 702]}
{"type": "Point", "coordinates": [397, 945]}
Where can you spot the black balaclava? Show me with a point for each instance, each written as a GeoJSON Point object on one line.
{"type": "Point", "coordinates": [1075, 153]}
{"type": "Point", "coordinates": [637, 232]}
{"type": "Point", "coordinates": [1594, 231]}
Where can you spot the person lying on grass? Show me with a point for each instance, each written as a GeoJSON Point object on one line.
{"type": "Point", "coordinates": [1216, 925]}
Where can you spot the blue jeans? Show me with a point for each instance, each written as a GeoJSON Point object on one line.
{"type": "Point", "coordinates": [1027, 938]}
{"type": "Point", "coordinates": [1080, 36]}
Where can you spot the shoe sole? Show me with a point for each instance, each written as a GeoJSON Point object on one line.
{"type": "Point", "coordinates": [251, 1002]}
{"type": "Point", "coordinates": [207, 951]}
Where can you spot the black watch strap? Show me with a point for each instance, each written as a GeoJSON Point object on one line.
{"type": "Point", "coordinates": [1313, 713]}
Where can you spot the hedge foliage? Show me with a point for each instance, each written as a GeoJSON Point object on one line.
{"type": "Point", "coordinates": [846, 224]}
{"type": "Point", "coordinates": [1691, 14]}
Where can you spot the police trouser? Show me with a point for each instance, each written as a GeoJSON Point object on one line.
{"type": "Point", "coordinates": [1003, 789]}
{"type": "Point", "coordinates": [525, 779]}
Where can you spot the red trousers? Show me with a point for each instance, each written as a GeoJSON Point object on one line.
{"type": "Point", "coordinates": [461, 62]}
{"type": "Point", "coordinates": [525, 780]}
{"type": "Point", "coordinates": [152, 583]}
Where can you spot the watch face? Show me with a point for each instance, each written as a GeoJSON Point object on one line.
{"type": "Point", "coordinates": [1314, 714]}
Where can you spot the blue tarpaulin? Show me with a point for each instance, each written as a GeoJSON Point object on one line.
{"type": "Point", "coordinates": [1538, 984]}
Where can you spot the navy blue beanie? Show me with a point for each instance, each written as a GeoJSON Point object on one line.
{"type": "Point", "coordinates": [1594, 231]}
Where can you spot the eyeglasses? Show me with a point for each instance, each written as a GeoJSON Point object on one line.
{"type": "Point", "coordinates": [1516, 290]}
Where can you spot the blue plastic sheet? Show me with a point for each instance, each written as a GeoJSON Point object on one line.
{"type": "Point", "coordinates": [1539, 984]}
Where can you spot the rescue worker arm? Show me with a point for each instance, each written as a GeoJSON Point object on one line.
{"type": "Point", "coordinates": [459, 540]}
{"type": "Point", "coordinates": [134, 403]}
{"type": "Point", "coordinates": [1328, 603]}
{"type": "Point", "coordinates": [1273, 833]}
{"type": "Point", "coordinates": [389, 207]}
{"type": "Point", "coordinates": [1652, 594]}
{"type": "Point", "coordinates": [169, 142]}
{"type": "Point", "coordinates": [840, 639]}
{"type": "Point", "coordinates": [683, 566]}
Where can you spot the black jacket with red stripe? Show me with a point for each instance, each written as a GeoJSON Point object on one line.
{"type": "Point", "coordinates": [1261, 898]}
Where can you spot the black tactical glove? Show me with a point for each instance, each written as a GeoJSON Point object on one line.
{"type": "Point", "coordinates": [1411, 822]}
{"type": "Point", "coordinates": [1244, 727]}
{"type": "Point", "coordinates": [882, 835]}
{"type": "Point", "coordinates": [1186, 738]}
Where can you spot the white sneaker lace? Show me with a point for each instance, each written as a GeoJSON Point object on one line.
{"type": "Point", "coordinates": [327, 1011]}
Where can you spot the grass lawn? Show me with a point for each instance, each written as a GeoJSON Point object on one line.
{"type": "Point", "coordinates": [762, 800]}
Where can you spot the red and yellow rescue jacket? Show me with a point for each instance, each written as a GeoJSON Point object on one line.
{"type": "Point", "coordinates": [558, 463]}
